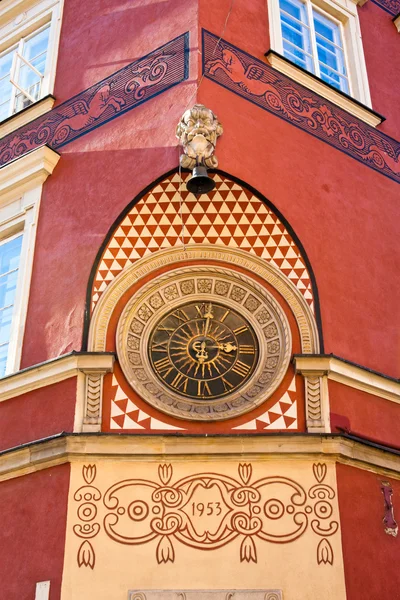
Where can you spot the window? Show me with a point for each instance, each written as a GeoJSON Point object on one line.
{"type": "Point", "coordinates": [10, 254]}
{"type": "Point", "coordinates": [28, 52]}
{"type": "Point", "coordinates": [314, 41]}
{"type": "Point", "coordinates": [20, 192]}
{"type": "Point", "coordinates": [323, 37]}
{"type": "Point", "coordinates": [22, 70]}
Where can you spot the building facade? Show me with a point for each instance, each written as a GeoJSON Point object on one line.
{"type": "Point", "coordinates": [199, 393]}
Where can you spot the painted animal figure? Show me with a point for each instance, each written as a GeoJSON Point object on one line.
{"type": "Point", "coordinates": [85, 113]}
{"type": "Point", "coordinates": [252, 79]}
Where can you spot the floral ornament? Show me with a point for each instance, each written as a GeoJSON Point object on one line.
{"type": "Point", "coordinates": [86, 556]}
{"type": "Point", "coordinates": [87, 496]}
{"type": "Point", "coordinates": [138, 511]}
{"type": "Point", "coordinates": [324, 552]}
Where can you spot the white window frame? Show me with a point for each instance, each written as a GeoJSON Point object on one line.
{"type": "Point", "coordinates": [345, 13]}
{"type": "Point", "coordinates": [18, 20]}
{"type": "Point", "coordinates": [20, 192]}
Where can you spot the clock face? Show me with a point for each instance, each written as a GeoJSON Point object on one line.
{"type": "Point", "coordinates": [203, 343]}
{"type": "Point", "coordinates": [203, 350]}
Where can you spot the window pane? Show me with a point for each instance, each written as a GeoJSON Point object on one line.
{"type": "Point", "coordinates": [9, 255]}
{"type": "Point", "coordinates": [5, 324]}
{"type": "Point", "coordinates": [5, 64]}
{"type": "Point", "coordinates": [5, 85]}
{"type": "Point", "coordinates": [10, 252]}
{"type": "Point", "coordinates": [3, 359]}
{"type": "Point", "coordinates": [330, 52]}
{"type": "Point", "coordinates": [327, 28]}
{"type": "Point", "coordinates": [8, 284]}
{"type": "Point", "coordinates": [296, 33]}
{"type": "Point", "coordinates": [331, 77]}
{"type": "Point", "coordinates": [37, 44]}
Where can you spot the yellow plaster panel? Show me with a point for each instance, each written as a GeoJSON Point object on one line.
{"type": "Point", "coordinates": [208, 525]}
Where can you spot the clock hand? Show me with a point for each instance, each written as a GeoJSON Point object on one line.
{"type": "Point", "coordinates": [208, 316]}
{"type": "Point", "coordinates": [227, 347]}
{"type": "Point", "coordinates": [201, 353]}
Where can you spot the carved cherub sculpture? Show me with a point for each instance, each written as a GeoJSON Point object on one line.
{"type": "Point", "coordinates": [198, 131]}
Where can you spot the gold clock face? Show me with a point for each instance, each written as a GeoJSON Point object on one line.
{"type": "Point", "coordinates": [203, 343]}
{"type": "Point", "coordinates": [203, 350]}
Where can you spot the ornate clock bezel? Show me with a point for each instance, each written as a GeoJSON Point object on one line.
{"type": "Point", "coordinates": [227, 287]}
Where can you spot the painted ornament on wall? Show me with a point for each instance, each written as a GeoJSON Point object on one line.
{"type": "Point", "coordinates": [278, 94]}
{"type": "Point", "coordinates": [206, 511]}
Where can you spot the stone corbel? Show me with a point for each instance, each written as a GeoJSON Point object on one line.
{"type": "Point", "coordinates": [396, 22]}
{"type": "Point", "coordinates": [317, 400]}
{"type": "Point", "coordinates": [93, 395]}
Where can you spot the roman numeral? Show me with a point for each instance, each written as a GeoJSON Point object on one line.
{"type": "Point", "coordinates": [168, 330]}
{"type": "Point", "coordinates": [222, 319]}
{"type": "Point", "coordinates": [241, 368]}
{"type": "Point", "coordinates": [180, 382]}
{"type": "Point", "coordinates": [246, 349]}
{"type": "Point", "coordinates": [227, 384]}
{"type": "Point", "coordinates": [203, 389]}
{"type": "Point", "coordinates": [240, 330]}
{"type": "Point", "coordinates": [180, 315]}
{"type": "Point", "coordinates": [159, 346]}
{"type": "Point", "coordinates": [200, 310]}
{"type": "Point", "coordinates": [163, 366]}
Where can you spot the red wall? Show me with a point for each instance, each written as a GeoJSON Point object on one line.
{"type": "Point", "coordinates": [367, 415]}
{"type": "Point", "coordinates": [38, 414]}
{"type": "Point", "coordinates": [345, 214]}
{"type": "Point", "coordinates": [371, 557]}
{"type": "Point", "coordinates": [32, 532]}
{"type": "Point", "coordinates": [381, 49]}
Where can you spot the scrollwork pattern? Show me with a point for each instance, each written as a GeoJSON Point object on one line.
{"type": "Point", "coordinates": [259, 83]}
{"type": "Point", "coordinates": [122, 91]}
{"type": "Point", "coordinates": [138, 511]}
{"type": "Point", "coordinates": [87, 496]}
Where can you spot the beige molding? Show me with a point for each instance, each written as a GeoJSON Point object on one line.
{"type": "Point", "coordinates": [53, 371]}
{"type": "Point", "coordinates": [27, 172]}
{"type": "Point", "coordinates": [141, 448]}
{"type": "Point", "coordinates": [315, 84]}
{"type": "Point", "coordinates": [317, 402]}
{"type": "Point", "coordinates": [27, 115]}
{"type": "Point", "coordinates": [396, 21]}
{"type": "Point", "coordinates": [350, 375]}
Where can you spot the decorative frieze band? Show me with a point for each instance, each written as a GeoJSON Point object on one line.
{"type": "Point", "coordinates": [390, 6]}
{"type": "Point", "coordinates": [134, 84]}
{"type": "Point", "coordinates": [280, 95]}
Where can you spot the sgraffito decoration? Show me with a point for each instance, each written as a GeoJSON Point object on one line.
{"type": "Point", "coordinates": [205, 511]}
{"type": "Point", "coordinates": [269, 89]}
{"type": "Point", "coordinates": [134, 84]}
{"type": "Point", "coordinates": [390, 6]}
{"type": "Point", "coordinates": [230, 216]}
{"type": "Point", "coordinates": [125, 415]}
{"type": "Point", "coordinates": [391, 527]}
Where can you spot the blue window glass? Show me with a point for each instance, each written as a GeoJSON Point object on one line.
{"type": "Point", "coordinates": [316, 46]}
{"type": "Point", "coordinates": [26, 73]}
{"type": "Point", "coordinates": [10, 253]}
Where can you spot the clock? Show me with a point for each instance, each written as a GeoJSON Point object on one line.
{"type": "Point", "coordinates": [203, 343]}
{"type": "Point", "coordinates": [203, 350]}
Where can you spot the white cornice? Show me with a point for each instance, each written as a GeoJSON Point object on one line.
{"type": "Point", "coordinates": [76, 448]}
{"type": "Point", "coordinates": [27, 115]}
{"type": "Point", "coordinates": [53, 372]}
{"type": "Point", "coordinates": [350, 375]}
{"type": "Point", "coordinates": [27, 172]}
{"type": "Point", "coordinates": [311, 82]}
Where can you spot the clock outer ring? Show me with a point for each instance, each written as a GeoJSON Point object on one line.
{"type": "Point", "coordinates": [257, 389]}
